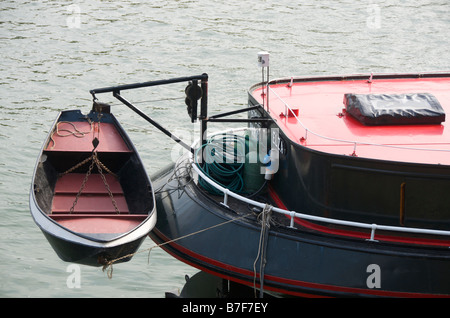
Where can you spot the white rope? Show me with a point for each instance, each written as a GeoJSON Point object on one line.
{"type": "Point", "coordinates": [265, 226]}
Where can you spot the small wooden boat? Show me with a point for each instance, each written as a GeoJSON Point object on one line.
{"type": "Point", "coordinates": [90, 193]}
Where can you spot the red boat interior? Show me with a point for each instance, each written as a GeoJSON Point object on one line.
{"type": "Point", "coordinates": [97, 209]}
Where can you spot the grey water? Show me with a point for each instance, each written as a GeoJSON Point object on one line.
{"type": "Point", "coordinates": [54, 52]}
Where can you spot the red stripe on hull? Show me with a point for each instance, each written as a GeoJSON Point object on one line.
{"type": "Point", "coordinates": [319, 289]}
{"type": "Point", "coordinates": [361, 235]}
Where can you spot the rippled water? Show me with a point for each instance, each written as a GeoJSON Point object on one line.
{"type": "Point", "coordinates": [54, 52]}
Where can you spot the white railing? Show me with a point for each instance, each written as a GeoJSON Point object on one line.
{"type": "Point", "coordinates": [293, 214]}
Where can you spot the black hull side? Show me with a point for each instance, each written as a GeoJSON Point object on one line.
{"type": "Point", "coordinates": [91, 255]}
{"type": "Point", "coordinates": [300, 262]}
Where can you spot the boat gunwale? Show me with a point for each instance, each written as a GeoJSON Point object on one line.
{"type": "Point", "coordinates": [361, 76]}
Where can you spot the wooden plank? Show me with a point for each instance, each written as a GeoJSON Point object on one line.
{"type": "Point", "coordinates": [71, 183]}
{"type": "Point", "coordinates": [62, 203]}
{"type": "Point", "coordinates": [89, 223]}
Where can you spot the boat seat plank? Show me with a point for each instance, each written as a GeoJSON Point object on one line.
{"type": "Point", "coordinates": [71, 183]}
{"type": "Point", "coordinates": [87, 203]}
{"type": "Point", "coordinates": [110, 139]}
{"type": "Point", "coordinates": [105, 223]}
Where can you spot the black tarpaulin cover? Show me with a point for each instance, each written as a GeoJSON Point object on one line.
{"type": "Point", "coordinates": [394, 109]}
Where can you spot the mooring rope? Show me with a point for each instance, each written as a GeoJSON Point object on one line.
{"type": "Point", "coordinates": [265, 226]}
{"type": "Point", "coordinates": [109, 264]}
{"type": "Point", "coordinates": [75, 132]}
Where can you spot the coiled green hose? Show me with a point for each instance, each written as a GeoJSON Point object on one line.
{"type": "Point", "coordinates": [223, 161]}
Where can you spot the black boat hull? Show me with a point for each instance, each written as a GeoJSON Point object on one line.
{"type": "Point", "coordinates": [91, 255]}
{"type": "Point", "coordinates": [199, 231]}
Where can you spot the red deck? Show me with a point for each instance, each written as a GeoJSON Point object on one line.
{"type": "Point", "coordinates": [68, 139]}
{"type": "Point", "coordinates": [320, 104]}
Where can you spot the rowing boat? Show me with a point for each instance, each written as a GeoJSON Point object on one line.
{"type": "Point", "coordinates": [90, 194]}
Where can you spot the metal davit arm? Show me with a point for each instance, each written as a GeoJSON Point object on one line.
{"type": "Point", "coordinates": [151, 121]}
{"type": "Point", "coordinates": [116, 93]}
{"type": "Point", "coordinates": [203, 77]}
{"type": "Point", "coordinates": [194, 93]}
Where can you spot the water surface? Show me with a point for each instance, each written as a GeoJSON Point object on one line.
{"type": "Point", "coordinates": [54, 52]}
